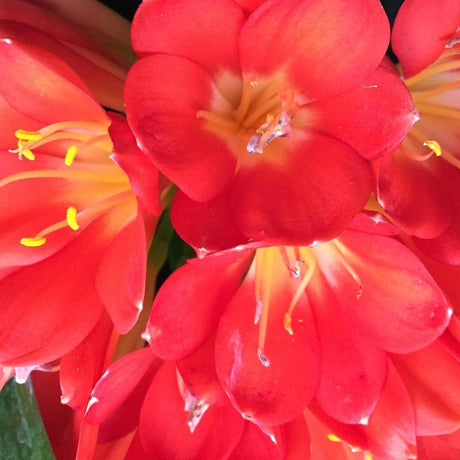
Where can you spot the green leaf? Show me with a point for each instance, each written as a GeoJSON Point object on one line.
{"type": "Point", "coordinates": [22, 434]}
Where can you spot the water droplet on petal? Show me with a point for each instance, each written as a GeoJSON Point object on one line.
{"type": "Point", "coordinates": [202, 252]}
{"type": "Point", "coordinates": [196, 409]}
{"type": "Point", "coordinates": [364, 421]}
{"type": "Point", "coordinates": [273, 438]}
{"type": "Point", "coordinates": [262, 358]}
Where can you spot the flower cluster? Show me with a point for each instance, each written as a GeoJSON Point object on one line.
{"type": "Point", "coordinates": [316, 183]}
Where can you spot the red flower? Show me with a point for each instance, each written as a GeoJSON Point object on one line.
{"type": "Point", "coordinates": [73, 240]}
{"type": "Point", "coordinates": [303, 322]}
{"type": "Point", "coordinates": [424, 171]}
{"type": "Point", "coordinates": [267, 116]}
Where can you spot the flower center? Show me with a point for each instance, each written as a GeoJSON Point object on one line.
{"type": "Point", "coordinates": [263, 112]}
{"type": "Point", "coordinates": [300, 264]}
{"type": "Point", "coordinates": [435, 94]}
{"type": "Point", "coordinates": [91, 142]}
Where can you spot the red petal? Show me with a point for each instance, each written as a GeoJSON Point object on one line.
{"type": "Point", "coordinates": [103, 77]}
{"type": "Point", "coordinates": [215, 437]}
{"type": "Point", "coordinates": [61, 288]}
{"type": "Point", "coordinates": [120, 279]}
{"type": "Point", "coordinates": [391, 428]}
{"type": "Point", "coordinates": [401, 308]}
{"type": "Point", "coordinates": [347, 116]}
{"type": "Point", "coordinates": [277, 393]}
{"type": "Point", "coordinates": [163, 95]}
{"type": "Point", "coordinates": [117, 383]}
{"type": "Point", "coordinates": [204, 31]}
{"type": "Point", "coordinates": [417, 45]}
{"type": "Point", "coordinates": [83, 365]}
{"type": "Point", "coordinates": [253, 442]}
{"type": "Point", "coordinates": [310, 197]}
{"type": "Point", "coordinates": [142, 173]}
{"type": "Point", "coordinates": [51, 86]}
{"type": "Point", "coordinates": [198, 371]}
{"type": "Point", "coordinates": [324, 47]}
{"type": "Point", "coordinates": [403, 183]}
{"type": "Point", "coordinates": [433, 381]}
{"type": "Point", "coordinates": [189, 304]}
{"type": "Point", "coordinates": [352, 370]}
{"type": "Point", "coordinates": [209, 225]}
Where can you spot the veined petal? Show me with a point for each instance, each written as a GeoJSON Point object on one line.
{"type": "Point", "coordinates": [373, 118]}
{"type": "Point", "coordinates": [163, 95]}
{"type": "Point", "coordinates": [203, 31]}
{"type": "Point", "coordinates": [421, 30]}
{"type": "Point", "coordinates": [311, 196]}
{"type": "Point", "coordinates": [189, 304]}
{"type": "Point", "coordinates": [325, 47]}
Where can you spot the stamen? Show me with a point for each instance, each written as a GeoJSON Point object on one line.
{"type": "Point", "coordinates": [438, 110]}
{"type": "Point", "coordinates": [433, 70]}
{"type": "Point", "coordinates": [426, 94]}
{"type": "Point", "coordinates": [434, 146]}
{"type": "Point", "coordinates": [111, 177]}
{"type": "Point", "coordinates": [264, 272]}
{"type": "Point", "coordinates": [219, 121]}
{"type": "Point", "coordinates": [311, 262]}
{"type": "Point", "coordinates": [70, 155]}
{"type": "Point", "coordinates": [71, 218]}
{"type": "Point", "coordinates": [33, 242]}
{"type": "Point", "coordinates": [26, 153]}
{"type": "Point", "coordinates": [24, 135]}
{"type": "Point", "coordinates": [339, 250]}
{"type": "Point", "coordinates": [271, 129]}
{"type": "Point", "coordinates": [245, 102]}
{"type": "Point", "coordinates": [435, 149]}
{"type": "Point", "coordinates": [332, 437]}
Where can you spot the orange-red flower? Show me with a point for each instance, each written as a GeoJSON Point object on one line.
{"type": "Point", "coordinates": [73, 238]}
{"type": "Point", "coordinates": [268, 117]}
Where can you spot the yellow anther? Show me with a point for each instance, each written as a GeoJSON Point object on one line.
{"type": "Point", "coordinates": [333, 438]}
{"type": "Point", "coordinates": [28, 135]}
{"type": "Point", "coordinates": [72, 218]}
{"type": "Point", "coordinates": [368, 456]}
{"type": "Point", "coordinates": [70, 155]}
{"type": "Point", "coordinates": [288, 323]}
{"type": "Point", "coordinates": [433, 145]}
{"type": "Point", "coordinates": [33, 242]}
{"type": "Point", "coordinates": [26, 153]}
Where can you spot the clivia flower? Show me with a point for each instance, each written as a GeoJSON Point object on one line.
{"type": "Point", "coordinates": [295, 323]}
{"type": "Point", "coordinates": [73, 237]}
{"type": "Point", "coordinates": [268, 116]}
{"type": "Point", "coordinates": [425, 170]}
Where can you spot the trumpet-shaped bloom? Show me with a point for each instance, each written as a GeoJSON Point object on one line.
{"type": "Point", "coordinates": [273, 112]}
{"type": "Point", "coordinates": [73, 239]}
{"type": "Point", "coordinates": [295, 323]}
{"type": "Point", "coordinates": [425, 168]}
